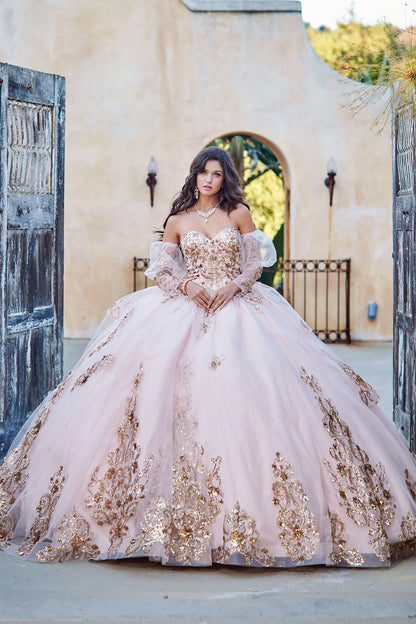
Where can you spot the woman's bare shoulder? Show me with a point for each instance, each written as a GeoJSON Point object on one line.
{"type": "Point", "coordinates": [241, 218]}
{"type": "Point", "coordinates": [175, 227]}
{"type": "Point", "coordinates": [171, 231]}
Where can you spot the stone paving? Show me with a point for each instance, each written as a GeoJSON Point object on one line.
{"type": "Point", "coordinates": [137, 591]}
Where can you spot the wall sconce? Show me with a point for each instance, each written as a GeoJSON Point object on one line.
{"type": "Point", "coordinates": [330, 180]}
{"type": "Point", "coordinates": [151, 177]}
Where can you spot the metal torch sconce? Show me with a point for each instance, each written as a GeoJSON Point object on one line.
{"type": "Point", "coordinates": [331, 169]}
{"type": "Point", "coordinates": [151, 178]}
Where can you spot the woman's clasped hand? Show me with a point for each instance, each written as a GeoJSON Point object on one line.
{"type": "Point", "coordinates": [216, 301]}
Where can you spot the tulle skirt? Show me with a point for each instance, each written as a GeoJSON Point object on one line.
{"type": "Point", "coordinates": [190, 438]}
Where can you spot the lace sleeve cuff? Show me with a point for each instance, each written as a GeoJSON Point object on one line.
{"type": "Point", "coordinates": [167, 266]}
{"type": "Point", "coordinates": [257, 251]}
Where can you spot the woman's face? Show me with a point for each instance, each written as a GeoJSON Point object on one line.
{"type": "Point", "coordinates": [209, 181]}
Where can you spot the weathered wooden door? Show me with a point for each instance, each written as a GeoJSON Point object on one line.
{"type": "Point", "coordinates": [404, 254]}
{"type": "Point", "coordinates": [32, 109]}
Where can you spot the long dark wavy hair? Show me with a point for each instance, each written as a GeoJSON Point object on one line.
{"type": "Point", "coordinates": [231, 193]}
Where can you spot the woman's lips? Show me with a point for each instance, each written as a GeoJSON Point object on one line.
{"type": "Point", "coordinates": [207, 188]}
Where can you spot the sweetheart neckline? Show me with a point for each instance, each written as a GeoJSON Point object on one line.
{"type": "Point", "coordinates": [207, 237]}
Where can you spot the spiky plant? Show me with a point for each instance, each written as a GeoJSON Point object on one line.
{"type": "Point", "coordinates": [394, 84]}
{"type": "Point", "coordinates": [394, 89]}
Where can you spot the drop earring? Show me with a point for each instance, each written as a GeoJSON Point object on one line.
{"type": "Point", "coordinates": [196, 192]}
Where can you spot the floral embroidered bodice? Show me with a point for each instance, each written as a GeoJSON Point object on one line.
{"type": "Point", "coordinates": [212, 262]}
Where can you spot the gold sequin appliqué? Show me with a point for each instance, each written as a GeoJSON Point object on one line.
{"type": "Point", "coordinates": [111, 335]}
{"type": "Point", "coordinates": [255, 299]}
{"type": "Point", "coordinates": [13, 477]}
{"type": "Point", "coordinates": [367, 393]}
{"type": "Point", "coordinates": [154, 528]}
{"type": "Point", "coordinates": [182, 523]}
{"type": "Point", "coordinates": [216, 361]}
{"type": "Point", "coordinates": [83, 378]}
{"type": "Point", "coordinates": [406, 545]}
{"type": "Point", "coordinates": [212, 262]}
{"type": "Point", "coordinates": [196, 500]}
{"type": "Point", "coordinates": [340, 552]}
{"type": "Point", "coordinates": [241, 536]}
{"type": "Point", "coordinates": [14, 469]}
{"type": "Point", "coordinates": [407, 539]}
{"type": "Point", "coordinates": [216, 262]}
{"type": "Point", "coordinates": [363, 489]}
{"type": "Point", "coordinates": [113, 497]}
{"type": "Point", "coordinates": [298, 534]}
{"type": "Point", "coordinates": [411, 484]}
{"type": "Point", "coordinates": [206, 322]}
{"type": "Point", "coordinates": [44, 510]}
{"type": "Point", "coordinates": [73, 539]}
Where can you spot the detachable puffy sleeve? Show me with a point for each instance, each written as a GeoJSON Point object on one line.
{"type": "Point", "coordinates": [257, 251]}
{"type": "Point", "coordinates": [167, 266]}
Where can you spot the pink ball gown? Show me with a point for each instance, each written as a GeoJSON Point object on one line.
{"type": "Point", "coordinates": [236, 437]}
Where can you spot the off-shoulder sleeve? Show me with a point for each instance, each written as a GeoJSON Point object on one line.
{"type": "Point", "coordinates": [167, 266]}
{"type": "Point", "coordinates": [257, 251]}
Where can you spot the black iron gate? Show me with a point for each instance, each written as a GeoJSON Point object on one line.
{"type": "Point", "coordinates": [32, 108]}
{"type": "Point", "coordinates": [404, 254]}
{"type": "Point", "coordinates": [319, 290]}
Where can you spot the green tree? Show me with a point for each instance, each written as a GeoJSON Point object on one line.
{"type": "Point", "coordinates": [363, 53]}
{"type": "Point", "coordinates": [380, 55]}
{"type": "Point", "coordinates": [266, 198]}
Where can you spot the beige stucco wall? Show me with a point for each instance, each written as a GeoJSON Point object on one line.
{"type": "Point", "coordinates": [153, 78]}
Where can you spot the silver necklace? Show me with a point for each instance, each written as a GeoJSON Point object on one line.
{"type": "Point", "coordinates": [206, 215]}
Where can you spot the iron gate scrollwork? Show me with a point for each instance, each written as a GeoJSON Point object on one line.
{"type": "Point", "coordinates": [319, 290]}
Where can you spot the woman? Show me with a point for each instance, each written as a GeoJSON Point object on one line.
{"type": "Point", "coordinates": [206, 423]}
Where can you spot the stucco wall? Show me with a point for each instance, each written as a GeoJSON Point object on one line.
{"type": "Point", "coordinates": [153, 78]}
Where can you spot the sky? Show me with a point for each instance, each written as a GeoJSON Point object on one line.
{"type": "Point", "coordinates": [369, 12]}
